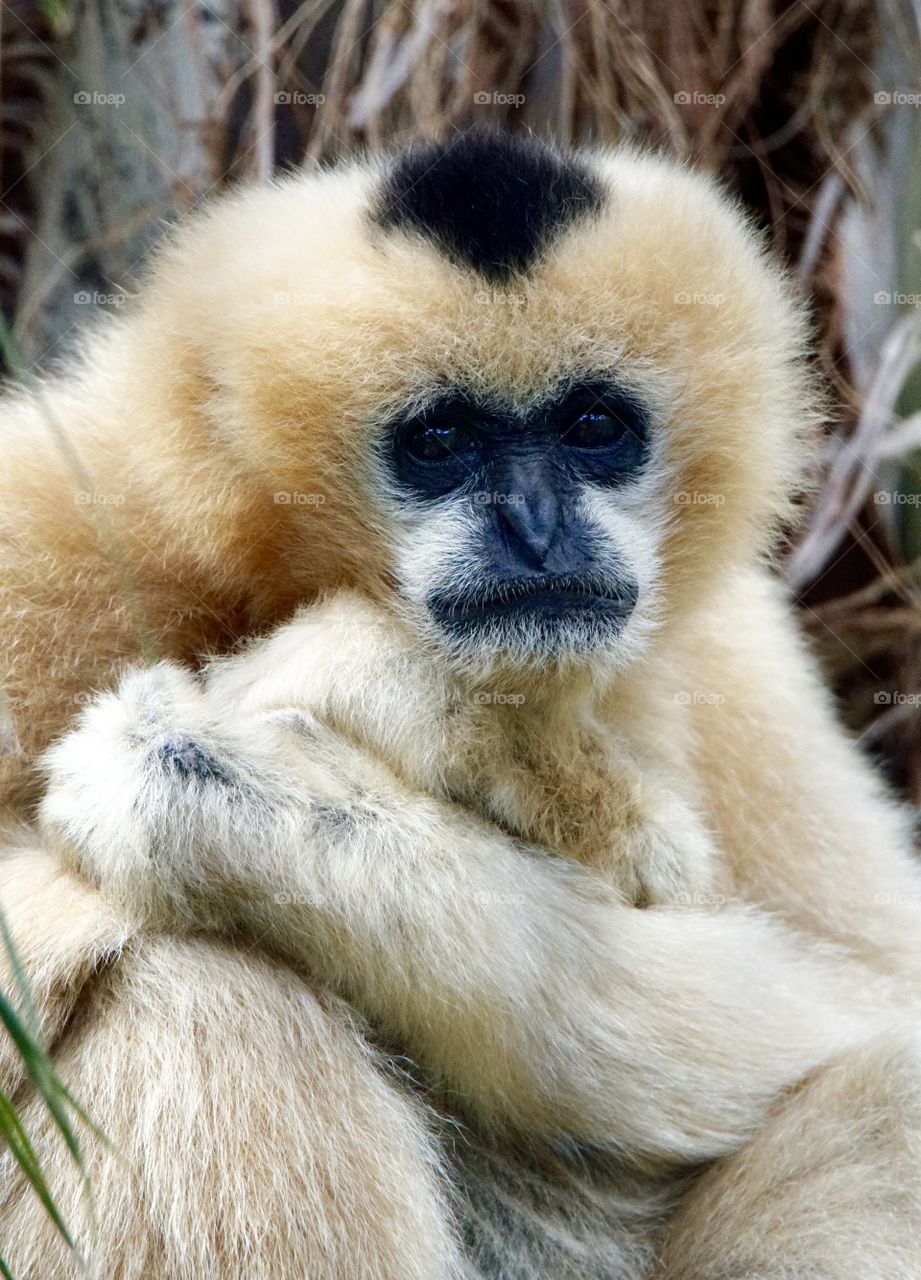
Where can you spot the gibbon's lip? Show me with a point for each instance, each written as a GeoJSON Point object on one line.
{"type": "Point", "coordinates": [545, 596]}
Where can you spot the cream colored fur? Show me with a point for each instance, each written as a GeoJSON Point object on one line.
{"type": "Point", "coordinates": [646, 926]}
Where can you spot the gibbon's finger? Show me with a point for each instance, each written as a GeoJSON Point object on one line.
{"type": "Point", "coordinates": [157, 763]}
{"type": "Point", "coordinates": [355, 666]}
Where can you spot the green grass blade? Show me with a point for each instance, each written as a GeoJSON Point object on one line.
{"type": "Point", "coordinates": [23, 1025]}
{"type": "Point", "coordinates": [19, 977]}
{"type": "Point", "coordinates": [18, 1141]}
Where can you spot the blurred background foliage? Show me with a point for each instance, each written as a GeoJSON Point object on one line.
{"type": "Point", "coordinates": [119, 115]}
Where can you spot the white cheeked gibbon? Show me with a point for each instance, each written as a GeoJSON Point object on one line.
{"type": "Point", "coordinates": [517, 909]}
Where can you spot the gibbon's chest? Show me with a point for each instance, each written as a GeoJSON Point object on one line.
{"type": "Point", "coordinates": [580, 793]}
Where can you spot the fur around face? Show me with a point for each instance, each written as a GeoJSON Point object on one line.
{"type": "Point", "coordinates": [647, 928]}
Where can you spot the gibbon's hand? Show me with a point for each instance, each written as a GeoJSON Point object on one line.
{"type": "Point", "coordinates": [359, 669]}
{"type": "Point", "coordinates": [518, 981]}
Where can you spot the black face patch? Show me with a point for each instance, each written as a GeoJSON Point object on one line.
{"type": "Point", "coordinates": [591, 431]}
{"type": "Point", "coordinates": [490, 201]}
{"type": "Point", "coordinates": [521, 476]}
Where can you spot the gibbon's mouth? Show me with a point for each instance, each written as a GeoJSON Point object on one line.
{"type": "Point", "coordinates": [543, 598]}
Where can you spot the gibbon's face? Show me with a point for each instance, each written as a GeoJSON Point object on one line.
{"type": "Point", "coordinates": [519, 512]}
{"type": "Point", "coordinates": [519, 537]}
{"type": "Point", "coordinates": [543, 400]}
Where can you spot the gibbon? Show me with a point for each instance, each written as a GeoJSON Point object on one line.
{"type": "Point", "coordinates": [511, 904]}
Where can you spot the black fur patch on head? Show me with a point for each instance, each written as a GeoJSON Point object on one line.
{"type": "Point", "coordinates": [489, 201]}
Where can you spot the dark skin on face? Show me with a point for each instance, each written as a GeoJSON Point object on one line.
{"type": "Point", "coordinates": [525, 471]}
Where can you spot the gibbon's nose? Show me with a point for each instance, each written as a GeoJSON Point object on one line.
{"type": "Point", "coordinates": [529, 514]}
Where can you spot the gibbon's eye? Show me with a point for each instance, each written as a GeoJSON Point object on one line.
{"type": "Point", "coordinates": [435, 443]}
{"type": "Point", "coordinates": [594, 430]}
{"type": "Point", "coordinates": [435, 450]}
{"type": "Point", "coordinates": [604, 433]}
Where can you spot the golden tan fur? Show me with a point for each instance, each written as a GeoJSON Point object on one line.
{"type": "Point", "coordinates": [697, 987]}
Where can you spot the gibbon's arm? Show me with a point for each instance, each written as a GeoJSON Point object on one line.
{"type": "Point", "coordinates": [64, 933]}
{"type": "Point", "coordinates": [518, 981]}
{"type": "Point", "coordinates": [817, 839]}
